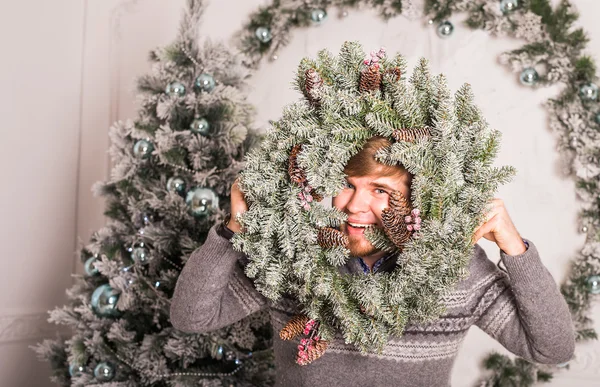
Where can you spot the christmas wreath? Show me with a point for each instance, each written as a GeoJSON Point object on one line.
{"type": "Point", "coordinates": [291, 240]}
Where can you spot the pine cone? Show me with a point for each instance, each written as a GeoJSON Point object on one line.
{"type": "Point", "coordinates": [316, 196]}
{"type": "Point", "coordinates": [296, 173]}
{"type": "Point", "coordinates": [395, 227]}
{"type": "Point", "coordinates": [412, 134]}
{"type": "Point", "coordinates": [370, 79]}
{"type": "Point", "coordinates": [294, 327]}
{"type": "Point", "coordinates": [316, 352]}
{"type": "Point", "coordinates": [399, 203]}
{"type": "Point", "coordinates": [329, 237]}
{"type": "Point", "coordinates": [395, 71]}
{"type": "Point", "coordinates": [312, 81]}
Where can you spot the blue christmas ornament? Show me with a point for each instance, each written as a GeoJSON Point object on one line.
{"type": "Point", "coordinates": [318, 15]}
{"type": "Point", "coordinates": [529, 76]}
{"type": "Point", "coordinates": [589, 92]}
{"type": "Point", "coordinates": [445, 29]}
{"type": "Point", "coordinates": [263, 34]}
{"type": "Point", "coordinates": [507, 6]}
{"type": "Point", "coordinates": [104, 301]}
{"type": "Point", "coordinates": [89, 267]}
{"type": "Point", "coordinates": [594, 284]}
{"type": "Point", "coordinates": [104, 372]}
{"type": "Point", "coordinates": [205, 82]}
{"type": "Point", "coordinates": [76, 370]}
{"type": "Point", "coordinates": [200, 126]}
{"type": "Point", "coordinates": [202, 201]}
{"type": "Point", "coordinates": [175, 88]}
{"type": "Point", "coordinates": [143, 149]}
{"type": "Point", "coordinates": [176, 184]}
{"type": "Point", "coordinates": [597, 118]}
{"type": "Point", "coordinates": [140, 254]}
{"type": "Point", "coordinates": [220, 352]}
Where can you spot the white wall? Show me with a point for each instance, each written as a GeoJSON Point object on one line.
{"type": "Point", "coordinates": [40, 76]}
{"type": "Point", "coordinates": [68, 70]}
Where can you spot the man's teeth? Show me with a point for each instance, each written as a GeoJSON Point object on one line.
{"type": "Point", "coordinates": [359, 225]}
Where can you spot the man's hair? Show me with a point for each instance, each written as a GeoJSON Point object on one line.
{"type": "Point", "coordinates": [364, 163]}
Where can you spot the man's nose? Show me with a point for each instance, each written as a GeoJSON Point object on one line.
{"type": "Point", "coordinates": [359, 202]}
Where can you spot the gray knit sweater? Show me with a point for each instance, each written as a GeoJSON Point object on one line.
{"type": "Point", "coordinates": [521, 308]}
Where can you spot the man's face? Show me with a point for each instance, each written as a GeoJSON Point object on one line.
{"type": "Point", "coordinates": [363, 199]}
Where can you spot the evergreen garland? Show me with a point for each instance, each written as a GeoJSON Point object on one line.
{"type": "Point", "coordinates": [454, 181]}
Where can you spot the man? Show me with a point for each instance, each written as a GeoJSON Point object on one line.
{"type": "Point", "coordinates": [520, 306]}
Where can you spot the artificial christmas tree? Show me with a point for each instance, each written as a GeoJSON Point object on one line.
{"type": "Point", "coordinates": [174, 166]}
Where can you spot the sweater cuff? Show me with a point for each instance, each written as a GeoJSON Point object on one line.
{"type": "Point", "coordinates": [526, 267]}
{"type": "Point", "coordinates": [224, 231]}
{"type": "Point", "coordinates": [217, 249]}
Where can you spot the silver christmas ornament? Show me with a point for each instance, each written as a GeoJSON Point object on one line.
{"type": "Point", "coordinates": [507, 6]}
{"type": "Point", "coordinates": [176, 184]}
{"type": "Point", "coordinates": [200, 126]}
{"type": "Point", "coordinates": [318, 15]}
{"type": "Point", "coordinates": [143, 149]}
{"type": "Point", "coordinates": [445, 29]}
{"type": "Point", "coordinates": [104, 372]}
{"type": "Point", "coordinates": [594, 284]}
{"type": "Point", "coordinates": [104, 301]}
{"type": "Point", "coordinates": [202, 201]}
{"type": "Point", "coordinates": [76, 370]}
{"type": "Point", "coordinates": [263, 34]}
{"type": "Point", "coordinates": [205, 82]}
{"type": "Point", "coordinates": [89, 267]}
{"type": "Point", "coordinates": [529, 76]}
{"type": "Point", "coordinates": [175, 88]}
{"type": "Point", "coordinates": [589, 92]}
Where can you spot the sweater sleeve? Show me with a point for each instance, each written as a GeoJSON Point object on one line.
{"type": "Point", "coordinates": [527, 314]}
{"type": "Point", "coordinates": [212, 290]}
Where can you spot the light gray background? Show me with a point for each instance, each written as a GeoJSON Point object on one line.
{"type": "Point", "coordinates": [67, 72]}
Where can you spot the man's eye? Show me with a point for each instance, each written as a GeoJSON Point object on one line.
{"type": "Point", "coordinates": [380, 191]}
{"type": "Point", "coordinates": [348, 185]}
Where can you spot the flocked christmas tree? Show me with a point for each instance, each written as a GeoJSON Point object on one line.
{"type": "Point", "coordinates": [174, 166]}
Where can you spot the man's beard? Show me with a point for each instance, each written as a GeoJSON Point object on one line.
{"type": "Point", "coordinates": [359, 246]}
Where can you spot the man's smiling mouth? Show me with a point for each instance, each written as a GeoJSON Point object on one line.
{"type": "Point", "coordinates": [360, 225]}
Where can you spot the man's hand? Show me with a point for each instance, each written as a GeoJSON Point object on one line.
{"type": "Point", "coordinates": [238, 206]}
{"type": "Point", "coordinates": [499, 228]}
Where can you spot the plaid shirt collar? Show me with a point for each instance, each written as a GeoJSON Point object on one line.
{"type": "Point", "coordinates": [379, 265]}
